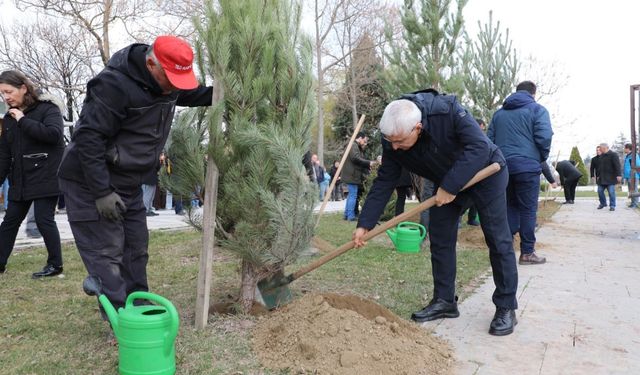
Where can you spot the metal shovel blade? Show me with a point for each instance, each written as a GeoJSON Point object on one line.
{"type": "Point", "coordinates": [274, 290]}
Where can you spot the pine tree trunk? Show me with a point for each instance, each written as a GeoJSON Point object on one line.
{"type": "Point", "coordinates": [249, 285]}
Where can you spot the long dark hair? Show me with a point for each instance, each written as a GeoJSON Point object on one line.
{"type": "Point", "coordinates": [16, 79]}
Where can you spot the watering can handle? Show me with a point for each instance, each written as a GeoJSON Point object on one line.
{"type": "Point", "coordinates": [173, 313]}
{"type": "Point", "coordinates": [421, 228]}
{"type": "Point", "coordinates": [481, 175]}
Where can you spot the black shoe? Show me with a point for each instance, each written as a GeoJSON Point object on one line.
{"type": "Point", "coordinates": [601, 206]}
{"type": "Point", "coordinates": [571, 202]}
{"type": "Point", "coordinates": [566, 202]}
{"type": "Point", "coordinates": [474, 223]}
{"type": "Point", "coordinates": [47, 271]}
{"type": "Point", "coordinates": [503, 322]}
{"type": "Point", "coordinates": [3, 267]}
{"type": "Point", "coordinates": [437, 309]}
{"type": "Point", "coordinates": [151, 213]}
{"type": "Point", "coordinates": [612, 209]}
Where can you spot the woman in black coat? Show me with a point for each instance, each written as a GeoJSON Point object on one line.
{"type": "Point", "coordinates": [31, 147]}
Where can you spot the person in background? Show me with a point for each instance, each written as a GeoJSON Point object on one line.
{"type": "Point", "coordinates": [431, 135]}
{"type": "Point", "coordinates": [125, 120]}
{"type": "Point", "coordinates": [633, 187]}
{"type": "Point", "coordinates": [353, 174]}
{"type": "Point", "coordinates": [594, 169]}
{"type": "Point", "coordinates": [336, 194]}
{"type": "Point", "coordinates": [569, 177]}
{"type": "Point", "coordinates": [149, 183]}
{"type": "Point", "coordinates": [31, 147]}
{"type": "Point", "coordinates": [522, 130]}
{"type": "Point", "coordinates": [317, 171]}
{"type": "Point", "coordinates": [610, 175]}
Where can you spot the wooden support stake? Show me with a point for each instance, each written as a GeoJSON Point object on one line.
{"type": "Point", "coordinates": [208, 240]}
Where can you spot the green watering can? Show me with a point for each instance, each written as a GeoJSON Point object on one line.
{"type": "Point", "coordinates": [407, 236]}
{"type": "Point", "coordinates": [145, 334]}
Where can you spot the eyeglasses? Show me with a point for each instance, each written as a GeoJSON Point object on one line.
{"type": "Point", "coordinates": [400, 141]}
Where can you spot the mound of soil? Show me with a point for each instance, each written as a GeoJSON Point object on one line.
{"type": "Point", "coordinates": [335, 334]}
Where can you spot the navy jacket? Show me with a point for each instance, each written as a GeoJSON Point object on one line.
{"type": "Point", "coordinates": [450, 150]}
{"type": "Point", "coordinates": [123, 126]}
{"type": "Point", "coordinates": [522, 130]}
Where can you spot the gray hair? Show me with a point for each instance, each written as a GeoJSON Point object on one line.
{"type": "Point", "coordinates": [399, 117]}
{"type": "Point", "coordinates": [604, 145]}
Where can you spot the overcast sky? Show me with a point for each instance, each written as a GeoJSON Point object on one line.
{"type": "Point", "coordinates": [595, 43]}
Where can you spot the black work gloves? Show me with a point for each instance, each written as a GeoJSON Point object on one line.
{"type": "Point", "coordinates": [111, 207]}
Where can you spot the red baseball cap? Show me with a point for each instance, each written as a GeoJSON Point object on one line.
{"type": "Point", "coordinates": [176, 58]}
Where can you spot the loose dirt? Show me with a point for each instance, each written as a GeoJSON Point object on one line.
{"type": "Point", "coordinates": [335, 334]}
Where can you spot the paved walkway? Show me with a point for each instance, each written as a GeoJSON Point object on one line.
{"type": "Point", "coordinates": [578, 314]}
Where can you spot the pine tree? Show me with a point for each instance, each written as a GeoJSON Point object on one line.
{"type": "Point", "coordinates": [575, 156]}
{"type": "Point", "coordinates": [491, 67]}
{"type": "Point", "coordinates": [427, 55]}
{"type": "Point", "coordinates": [260, 132]}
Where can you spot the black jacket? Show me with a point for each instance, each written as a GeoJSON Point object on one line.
{"type": "Point", "coordinates": [567, 171]}
{"type": "Point", "coordinates": [608, 166]}
{"type": "Point", "coordinates": [31, 150]}
{"type": "Point", "coordinates": [355, 167]}
{"type": "Point", "coordinates": [450, 150]}
{"type": "Point", "coordinates": [124, 123]}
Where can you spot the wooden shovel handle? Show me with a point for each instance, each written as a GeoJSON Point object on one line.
{"type": "Point", "coordinates": [481, 175]}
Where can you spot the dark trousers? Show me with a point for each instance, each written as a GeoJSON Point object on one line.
{"type": "Point", "coordinates": [443, 231]}
{"type": "Point", "coordinates": [522, 205]}
{"type": "Point", "coordinates": [356, 209]}
{"type": "Point", "coordinates": [45, 209]}
{"type": "Point", "coordinates": [115, 251]}
{"type": "Point", "coordinates": [570, 189]}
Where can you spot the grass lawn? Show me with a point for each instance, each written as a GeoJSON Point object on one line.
{"type": "Point", "coordinates": [51, 327]}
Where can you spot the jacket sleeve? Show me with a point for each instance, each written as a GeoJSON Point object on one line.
{"type": "Point", "coordinates": [546, 171]}
{"type": "Point", "coordinates": [5, 157]}
{"type": "Point", "coordinates": [103, 110]}
{"type": "Point", "coordinates": [475, 154]}
{"type": "Point", "coordinates": [592, 167]}
{"type": "Point", "coordinates": [198, 97]}
{"type": "Point", "coordinates": [491, 134]}
{"type": "Point", "coordinates": [542, 132]}
{"type": "Point", "coordinates": [616, 166]}
{"type": "Point", "coordinates": [49, 130]}
{"type": "Point", "coordinates": [561, 172]}
{"type": "Point", "coordinates": [380, 192]}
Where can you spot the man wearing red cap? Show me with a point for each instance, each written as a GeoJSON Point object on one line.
{"type": "Point", "coordinates": [122, 129]}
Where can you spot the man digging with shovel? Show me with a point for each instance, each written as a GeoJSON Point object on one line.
{"type": "Point", "coordinates": [432, 136]}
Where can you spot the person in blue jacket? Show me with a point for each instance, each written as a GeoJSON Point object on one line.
{"type": "Point", "coordinates": [522, 130]}
{"type": "Point", "coordinates": [432, 136]}
{"type": "Point", "coordinates": [626, 173]}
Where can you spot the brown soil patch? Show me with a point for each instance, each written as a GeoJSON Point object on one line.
{"type": "Point", "coordinates": [335, 334]}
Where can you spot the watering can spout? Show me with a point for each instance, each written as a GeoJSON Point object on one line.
{"type": "Point", "coordinates": [393, 235]}
{"type": "Point", "coordinates": [92, 286]}
{"type": "Point", "coordinates": [110, 311]}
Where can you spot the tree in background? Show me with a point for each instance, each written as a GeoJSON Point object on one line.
{"type": "Point", "coordinates": [362, 93]}
{"type": "Point", "coordinates": [57, 58]}
{"type": "Point", "coordinates": [260, 132]}
{"type": "Point", "coordinates": [575, 156]}
{"type": "Point", "coordinates": [491, 69]}
{"type": "Point", "coordinates": [427, 54]}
